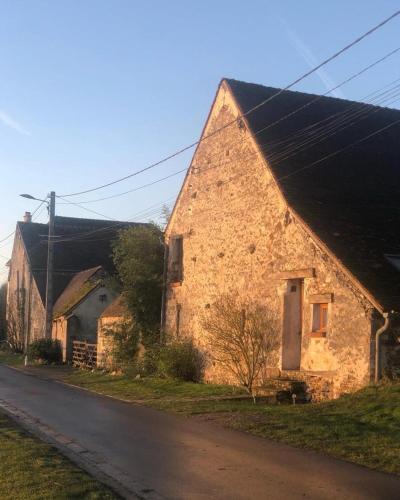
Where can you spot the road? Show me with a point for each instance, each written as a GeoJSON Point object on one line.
{"type": "Point", "coordinates": [175, 457]}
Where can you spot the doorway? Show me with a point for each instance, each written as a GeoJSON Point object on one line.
{"type": "Point", "coordinates": [292, 325]}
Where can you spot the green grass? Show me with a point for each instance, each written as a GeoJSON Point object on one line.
{"type": "Point", "coordinates": [147, 390]}
{"type": "Point", "coordinates": [11, 358]}
{"type": "Point", "coordinates": [31, 469]}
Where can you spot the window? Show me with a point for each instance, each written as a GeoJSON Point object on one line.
{"type": "Point", "coordinates": [176, 268]}
{"type": "Point", "coordinates": [320, 319]}
{"type": "Point", "coordinates": [178, 319]}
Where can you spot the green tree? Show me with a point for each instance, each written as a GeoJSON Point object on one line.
{"type": "Point", "coordinates": [138, 256]}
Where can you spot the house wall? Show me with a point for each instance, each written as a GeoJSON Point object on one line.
{"type": "Point", "coordinates": [239, 235]}
{"type": "Point", "coordinates": [104, 342]}
{"type": "Point", "coordinates": [82, 319]}
{"type": "Point", "coordinates": [24, 304]}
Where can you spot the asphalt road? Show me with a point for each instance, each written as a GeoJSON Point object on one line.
{"type": "Point", "coordinates": [183, 458]}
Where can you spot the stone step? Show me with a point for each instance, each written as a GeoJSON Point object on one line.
{"type": "Point", "coordinates": [285, 390]}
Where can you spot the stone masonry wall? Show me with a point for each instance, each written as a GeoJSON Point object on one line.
{"type": "Point", "coordinates": [22, 287]}
{"type": "Point", "coordinates": [238, 237]}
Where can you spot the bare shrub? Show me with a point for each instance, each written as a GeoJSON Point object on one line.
{"type": "Point", "coordinates": [242, 338]}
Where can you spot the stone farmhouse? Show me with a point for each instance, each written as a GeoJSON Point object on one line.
{"type": "Point", "coordinates": [293, 205]}
{"type": "Point", "coordinates": [83, 245]}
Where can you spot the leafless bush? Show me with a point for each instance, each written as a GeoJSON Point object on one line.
{"type": "Point", "coordinates": [242, 338]}
{"type": "Point", "coordinates": [15, 331]}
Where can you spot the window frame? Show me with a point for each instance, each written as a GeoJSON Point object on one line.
{"type": "Point", "coordinates": [322, 330]}
{"type": "Point", "coordinates": [175, 275]}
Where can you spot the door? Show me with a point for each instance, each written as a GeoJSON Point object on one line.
{"type": "Point", "coordinates": [292, 325]}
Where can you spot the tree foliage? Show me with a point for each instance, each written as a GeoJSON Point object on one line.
{"type": "Point", "coordinates": [242, 338]}
{"type": "Point", "coordinates": [123, 344]}
{"type": "Point", "coordinates": [138, 256]}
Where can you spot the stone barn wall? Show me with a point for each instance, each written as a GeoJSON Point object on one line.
{"type": "Point", "coordinates": [23, 299]}
{"type": "Point", "coordinates": [241, 238]}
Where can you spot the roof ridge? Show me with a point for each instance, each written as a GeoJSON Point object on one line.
{"type": "Point", "coordinates": [321, 96]}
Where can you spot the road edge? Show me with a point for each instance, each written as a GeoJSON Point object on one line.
{"type": "Point", "coordinates": [102, 471]}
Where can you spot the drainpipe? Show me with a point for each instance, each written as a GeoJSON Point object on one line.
{"type": "Point", "coordinates": [378, 334]}
{"type": "Point", "coordinates": [164, 293]}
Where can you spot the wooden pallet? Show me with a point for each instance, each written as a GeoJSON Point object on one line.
{"type": "Point", "coordinates": [84, 355]}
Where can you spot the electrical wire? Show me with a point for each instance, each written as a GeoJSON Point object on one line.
{"type": "Point", "coordinates": [251, 110]}
{"type": "Point", "coordinates": [143, 213]}
{"type": "Point", "coordinates": [12, 234]}
{"type": "Point", "coordinates": [84, 208]}
{"type": "Point", "coordinates": [311, 165]}
{"type": "Point", "coordinates": [276, 122]}
{"type": "Point", "coordinates": [132, 190]}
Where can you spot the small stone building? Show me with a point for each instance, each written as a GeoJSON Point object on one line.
{"type": "Point", "coordinates": [114, 317]}
{"type": "Point", "coordinates": [291, 202]}
{"type": "Point", "coordinates": [79, 307]}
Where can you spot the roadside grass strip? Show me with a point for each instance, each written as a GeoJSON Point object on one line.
{"type": "Point", "coordinates": [31, 469]}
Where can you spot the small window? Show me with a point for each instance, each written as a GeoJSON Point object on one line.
{"type": "Point", "coordinates": [178, 319]}
{"type": "Point", "coordinates": [103, 297]}
{"type": "Point", "coordinates": [320, 318]}
{"type": "Point", "coordinates": [176, 267]}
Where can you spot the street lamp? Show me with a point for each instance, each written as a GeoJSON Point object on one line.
{"type": "Point", "coordinates": [30, 197]}
{"type": "Point", "coordinates": [51, 202]}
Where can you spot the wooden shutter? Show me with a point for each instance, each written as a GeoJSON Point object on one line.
{"type": "Point", "coordinates": [176, 258]}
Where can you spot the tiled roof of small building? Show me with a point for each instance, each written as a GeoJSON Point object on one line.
{"type": "Point", "coordinates": [88, 244]}
{"type": "Point", "coordinates": [77, 289]}
{"type": "Point", "coordinates": [350, 199]}
{"type": "Point", "coordinates": [117, 309]}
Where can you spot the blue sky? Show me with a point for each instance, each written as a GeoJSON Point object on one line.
{"type": "Point", "coordinates": [92, 90]}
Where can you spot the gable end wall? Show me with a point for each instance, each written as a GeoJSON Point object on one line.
{"type": "Point", "coordinates": [239, 236]}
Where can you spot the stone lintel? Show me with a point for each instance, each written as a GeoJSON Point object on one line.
{"type": "Point", "coordinates": [321, 298]}
{"type": "Point", "coordinates": [297, 273]}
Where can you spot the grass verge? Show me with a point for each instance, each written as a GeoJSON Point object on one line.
{"type": "Point", "coordinates": [11, 358]}
{"type": "Point", "coordinates": [32, 469]}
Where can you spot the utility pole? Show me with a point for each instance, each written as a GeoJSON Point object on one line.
{"type": "Point", "coordinates": [50, 263]}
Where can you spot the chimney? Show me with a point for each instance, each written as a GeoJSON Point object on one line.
{"type": "Point", "coordinates": [28, 217]}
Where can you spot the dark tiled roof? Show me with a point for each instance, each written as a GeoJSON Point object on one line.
{"type": "Point", "coordinates": [117, 309]}
{"type": "Point", "coordinates": [350, 200]}
{"type": "Point", "coordinates": [90, 246]}
{"type": "Point", "coordinates": [77, 289]}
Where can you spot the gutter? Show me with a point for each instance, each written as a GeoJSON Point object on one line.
{"type": "Point", "coordinates": [378, 334]}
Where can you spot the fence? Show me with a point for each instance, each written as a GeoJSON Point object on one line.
{"type": "Point", "coordinates": [84, 355]}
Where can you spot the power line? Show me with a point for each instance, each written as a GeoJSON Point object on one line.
{"type": "Point", "coordinates": [143, 213]}
{"type": "Point", "coordinates": [12, 234]}
{"type": "Point", "coordinates": [134, 189]}
{"type": "Point", "coordinates": [251, 110]}
{"type": "Point", "coordinates": [311, 165]}
{"type": "Point", "coordinates": [84, 208]}
{"type": "Point", "coordinates": [276, 122]}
